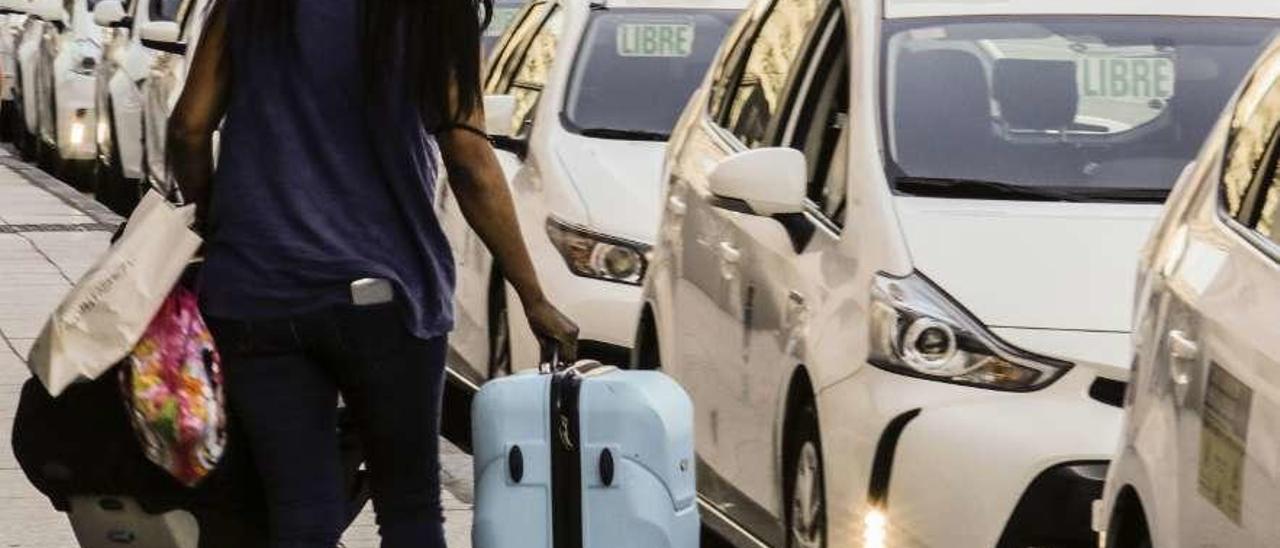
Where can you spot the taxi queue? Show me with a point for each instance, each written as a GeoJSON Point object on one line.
{"type": "Point", "coordinates": [934, 273]}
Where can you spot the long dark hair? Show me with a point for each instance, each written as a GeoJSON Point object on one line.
{"type": "Point", "coordinates": [437, 42]}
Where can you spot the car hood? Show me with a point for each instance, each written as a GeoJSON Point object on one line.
{"type": "Point", "coordinates": [1031, 265]}
{"type": "Point", "coordinates": [618, 182]}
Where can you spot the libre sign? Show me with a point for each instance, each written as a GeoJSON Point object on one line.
{"type": "Point", "coordinates": [655, 39]}
{"type": "Point", "coordinates": [1136, 78]}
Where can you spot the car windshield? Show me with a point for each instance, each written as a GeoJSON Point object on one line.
{"type": "Point", "coordinates": [1061, 108]}
{"type": "Point", "coordinates": [637, 67]}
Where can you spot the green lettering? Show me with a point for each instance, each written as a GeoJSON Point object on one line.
{"type": "Point", "coordinates": [1163, 79]}
{"type": "Point", "coordinates": [1141, 70]}
{"type": "Point", "coordinates": [1119, 77]}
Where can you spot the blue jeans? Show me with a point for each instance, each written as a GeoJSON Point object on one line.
{"type": "Point", "coordinates": [283, 378]}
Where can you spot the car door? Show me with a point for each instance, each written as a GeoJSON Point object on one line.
{"type": "Point", "coordinates": [716, 298]}
{"type": "Point", "coordinates": [1221, 332]}
{"type": "Point", "coordinates": [522, 62]}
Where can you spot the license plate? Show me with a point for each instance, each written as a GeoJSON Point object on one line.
{"type": "Point", "coordinates": [1126, 78]}
{"type": "Point", "coordinates": [655, 39]}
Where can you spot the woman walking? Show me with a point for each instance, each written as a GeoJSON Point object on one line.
{"type": "Point", "coordinates": [326, 271]}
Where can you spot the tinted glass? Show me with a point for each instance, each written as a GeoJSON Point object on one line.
{"type": "Point", "coordinates": [1250, 192]}
{"type": "Point", "coordinates": [636, 69]}
{"type": "Point", "coordinates": [757, 94]}
{"type": "Point", "coordinates": [821, 131]}
{"type": "Point", "coordinates": [165, 10]}
{"type": "Point", "coordinates": [1072, 108]}
{"type": "Point", "coordinates": [531, 75]}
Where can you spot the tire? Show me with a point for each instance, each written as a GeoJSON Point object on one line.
{"type": "Point", "coordinates": [499, 328]}
{"type": "Point", "coordinates": [8, 112]}
{"type": "Point", "coordinates": [806, 503]}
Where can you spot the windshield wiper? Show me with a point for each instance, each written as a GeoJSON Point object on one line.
{"type": "Point", "coordinates": [976, 188]}
{"type": "Point", "coordinates": [624, 134]}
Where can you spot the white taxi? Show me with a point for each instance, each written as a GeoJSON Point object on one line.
{"type": "Point", "coordinates": [1198, 463]}
{"type": "Point", "coordinates": [125, 66]}
{"type": "Point", "coordinates": [175, 41]}
{"type": "Point", "coordinates": [582, 95]}
{"type": "Point", "coordinates": [70, 49]}
{"type": "Point", "coordinates": [898, 253]}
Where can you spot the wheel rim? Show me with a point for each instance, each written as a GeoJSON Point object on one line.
{"type": "Point", "coordinates": [807, 514]}
{"type": "Point", "coordinates": [500, 345]}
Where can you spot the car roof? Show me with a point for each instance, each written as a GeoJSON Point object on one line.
{"type": "Point", "coordinates": [894, 9]}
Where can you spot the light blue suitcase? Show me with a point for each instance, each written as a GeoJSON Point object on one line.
{"type": "Point", "coordinates": [587, 457]}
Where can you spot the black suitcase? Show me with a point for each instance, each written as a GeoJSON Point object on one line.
{"type": "Point", "coordinates": [80, 451]}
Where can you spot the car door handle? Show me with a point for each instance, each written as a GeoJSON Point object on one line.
{"type": "Point", "coordinates": [1181, 347]}
{"type": "Point", "coordinates": [676, 205]}
{"type": "Point", "coordinates": [729, 253]}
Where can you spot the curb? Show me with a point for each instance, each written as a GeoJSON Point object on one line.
{"type": "Point", "coordinates": [70, 196]}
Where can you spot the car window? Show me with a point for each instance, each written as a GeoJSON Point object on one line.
{"type": "Point", "coordinates": [637, 67]}
{"type": "Point", "coordinates": [1250, 192]}
{"type": "Point", "coordinates": [821, 128]}
{"type": "Point", "coordinates": [504, 63]}
{"type": "Point", "coordinates": [164, 10]}
{"type": "Point", "coordinates": [756, 92]}
{"type": "Point", "coordinates": [534, 68]}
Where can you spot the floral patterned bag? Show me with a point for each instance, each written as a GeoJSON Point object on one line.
{"type": "Point", "coordinates": [172, 384]}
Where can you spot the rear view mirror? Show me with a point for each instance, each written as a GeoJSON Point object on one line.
{"type": "Point", "coordinates": [47, 10]}
{"type": "Point", "coordinates": [498, 111]}
{"type": "Point", "coordinates": [162, 36]}
{"type": "Point", "coordinates": [110, 13]}
{"type": "Point", "coordinates": [762, 181]}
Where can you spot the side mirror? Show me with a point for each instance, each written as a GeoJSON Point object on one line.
{"type": "Point", "coordinates": [110, 13]}
{"type": "Point", "coordinates": [48, 10]}
{"type": "Point", "coordinates": [764, 181]}
{"type": "Point", "coordinates": [162, 36]}
{"type": "Point", "coordinates": [498, 111]}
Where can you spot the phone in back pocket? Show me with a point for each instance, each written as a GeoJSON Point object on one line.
{"type": "Point", "coordinates": [371, 291]}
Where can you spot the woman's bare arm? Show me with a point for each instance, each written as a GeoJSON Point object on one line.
{"type": "Point", "coordinates": [481, 189]}
{"type": "Point", "coordinates": [199, 111]}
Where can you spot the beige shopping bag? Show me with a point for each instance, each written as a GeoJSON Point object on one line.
{"type": "Point", "coordinates": [105, 314]}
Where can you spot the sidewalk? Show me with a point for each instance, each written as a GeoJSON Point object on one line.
{"type": "Point", "coordinates": [49, 235]}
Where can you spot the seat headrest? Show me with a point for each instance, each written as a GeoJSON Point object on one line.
{"type": "Point", "coordinates": [1035, 94]}
{"type": "Point", "coordinates": [948, 83]}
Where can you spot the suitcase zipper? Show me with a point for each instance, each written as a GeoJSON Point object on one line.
{"type": "Point", "coordinates": [566, 461]}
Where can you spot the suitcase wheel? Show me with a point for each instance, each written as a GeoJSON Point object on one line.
{"type": "Point", "coordinates": [606, 468]}
{"type": "Point", "coordinates": [515, 464]}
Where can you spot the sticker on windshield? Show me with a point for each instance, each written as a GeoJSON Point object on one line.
{"type": "Point", "coordinates": [655, 39]}
{"type": "Point", "coordinates": [1126, 78]}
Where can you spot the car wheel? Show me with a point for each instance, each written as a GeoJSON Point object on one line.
{"type": "Point", "coordinates": [8, 113]}
{"type": "Point", "coordinates": [806, 505]}
{"type": "Point", "coordinates": [499, 328]}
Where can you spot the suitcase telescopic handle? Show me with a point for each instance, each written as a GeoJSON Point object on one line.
{"type": "Point", "coordinates": [553, 363]}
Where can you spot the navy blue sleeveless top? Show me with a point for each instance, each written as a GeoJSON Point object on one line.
{"type": "Point", "coordinates": [316, 184]}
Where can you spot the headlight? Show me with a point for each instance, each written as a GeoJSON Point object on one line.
{"type": "Point", "coordinates": [598, 256]}
{"type": "Point", "coordinates": [917, 330]}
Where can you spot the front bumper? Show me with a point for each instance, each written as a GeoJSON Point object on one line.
{"type": "Point", "coordinates": [971, 468]}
